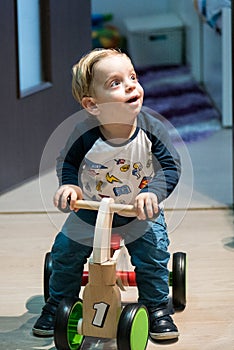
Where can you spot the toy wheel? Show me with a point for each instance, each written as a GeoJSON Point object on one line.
{"type": "Point", "coordinates": [133, 328]}
{"type": "Point", "coordinates": [179, 281]}
{"type": "Point", "coordinates": [66, 336]}
{"type": "Point", "coordinates": [47, 273]}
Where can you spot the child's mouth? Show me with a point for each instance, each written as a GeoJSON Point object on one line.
{"type": "Point", "coordinates": [133, 99]}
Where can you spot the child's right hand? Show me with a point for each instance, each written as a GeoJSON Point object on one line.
{"type": "Point", "coordinates": [65, 192]}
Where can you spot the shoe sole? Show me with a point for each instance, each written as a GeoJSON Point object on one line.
{"type": "Point", "coordinates": [43, 333]}
{"type": "Point", "coordinates": [164, 336]}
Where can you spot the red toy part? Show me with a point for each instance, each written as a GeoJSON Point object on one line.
{"type": "Point", "coordinates": [115, 241]}
{"type": "Point", "coordinates": [128, 278]}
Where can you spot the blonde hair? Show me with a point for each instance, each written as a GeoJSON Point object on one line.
{"type": "Point", "coordinates": [83, 72]}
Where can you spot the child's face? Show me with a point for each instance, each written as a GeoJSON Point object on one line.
{"type": "Point", "coordinates": [114, 81]}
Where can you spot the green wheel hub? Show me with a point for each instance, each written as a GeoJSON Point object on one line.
{"type": "Point", "coordinates": [133, 328]}
{"type": "Point", "coordinates": [74, 339]}
{"type": "Point", "coordinates": [139, 330]}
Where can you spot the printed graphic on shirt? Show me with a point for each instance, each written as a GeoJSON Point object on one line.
{"type": "Point", "coordinates": [92, 173]}
{"type": "Point", "coordinates": [99, 186]}
{"type": "Point", "coordinates": [125, 168]}
{"type": "Point", "coordinates": [102, 196]}
{"type": "Point", "coordinates": [119, 191]}
{"type": "Point", "coordinates": [112, 178]}
{"type": "Point", "coordinates": [92, 165]}
{"type": "Point", "coordinates": [149, 161]}
{"type": "Point", "coordinates": [145, 181]}
{"type": "Point", "coordinates": [119, 161]}
{"type": "Point", "coordinates": [137, 168]}
{"type": "Point", "coordinates": [119, 172]}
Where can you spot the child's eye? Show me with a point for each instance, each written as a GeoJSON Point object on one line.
{"type": "Point", "coordinates": [115, 83]}
{"type": "Point", "coordinates": [134, 77]}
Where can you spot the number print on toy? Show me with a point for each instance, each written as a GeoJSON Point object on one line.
{"type": "Point", "coordinates": [100, 314]}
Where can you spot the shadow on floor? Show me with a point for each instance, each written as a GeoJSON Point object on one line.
{"type": "Point", "coordinates": [16, 333]}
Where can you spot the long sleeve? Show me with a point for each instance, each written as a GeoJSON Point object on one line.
{"type": "Point", "coordinates": [166, 161]}
{"type": "Point", "coordinates": [70, 160]}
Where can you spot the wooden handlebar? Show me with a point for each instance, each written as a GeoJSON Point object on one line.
{"type": "Point", "coordinates": [114, 207]}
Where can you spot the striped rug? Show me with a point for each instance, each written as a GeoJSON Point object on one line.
{"type": "Point", "coordinates": [172, 92]}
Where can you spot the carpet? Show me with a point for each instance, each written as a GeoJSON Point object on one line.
{"type": "Point", "coordinates": [175, 94]}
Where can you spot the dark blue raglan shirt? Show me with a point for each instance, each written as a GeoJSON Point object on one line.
{"type": "Point", "coordinates": [147, 161]}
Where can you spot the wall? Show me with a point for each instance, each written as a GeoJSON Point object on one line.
{"type": "Point", "coordinates": [193, 27]}
{"type": "Point", "coordinates": [209, 55]}
{"type": "Point", "coordinates": [27, 123]}
{"type": "Point", "coordinates": [212, 64]}
{"type": "Point", "coordinates": [128, 8]}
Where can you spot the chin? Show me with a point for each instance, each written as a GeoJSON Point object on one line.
{"type": "Point", "coordinates": [136, 109]}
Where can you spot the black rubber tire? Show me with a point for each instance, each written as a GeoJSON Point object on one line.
{"type": "Point", "coordinates": [47, 274]}
{"type": "Point", "coordinates": [179, 281]}
{"type": "Point", "coordinates": [68, 314]}
{"type": "Point", "coordinates": [126, 325]}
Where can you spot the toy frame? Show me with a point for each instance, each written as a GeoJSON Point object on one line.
{"type": "Point", "coordinates": [100, 313]}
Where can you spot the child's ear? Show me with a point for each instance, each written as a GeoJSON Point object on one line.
{"type": "Point", "coordinates": [90, 105]}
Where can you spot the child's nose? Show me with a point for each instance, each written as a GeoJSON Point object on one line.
{"type": "Point", "coordinates": [130, 85]}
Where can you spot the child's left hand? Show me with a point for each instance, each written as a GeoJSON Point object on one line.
{"type": "Point", "coordinates": [146, 203]}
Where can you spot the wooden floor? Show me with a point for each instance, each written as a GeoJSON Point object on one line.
{"type": "Point", "coordinates": [205, 233]}
{"type": "Point", "coordinates": [206, 323]}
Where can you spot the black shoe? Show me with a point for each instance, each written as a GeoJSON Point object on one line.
{"type": "Point", "coordinates": [162, 326]}
{"type": "Point", "coordinates": [44, 326]}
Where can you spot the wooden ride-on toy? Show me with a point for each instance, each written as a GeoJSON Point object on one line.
{"type": "Point", "coordinates": [99, 314]}
{"type": "Point", "coordinates": [177, 278]}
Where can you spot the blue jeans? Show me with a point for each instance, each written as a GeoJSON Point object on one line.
{"type": "Point", "coordinates": [147, 243]}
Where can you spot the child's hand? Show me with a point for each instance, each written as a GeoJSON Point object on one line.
{"type": "Point", "coordinates": [66, 192]}
{"type": "Point", "coordinates": [146, 203]}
